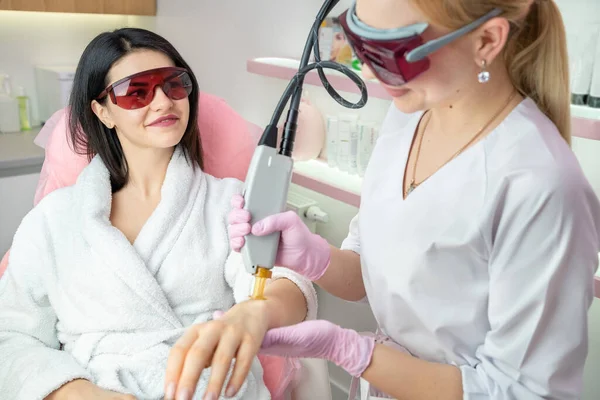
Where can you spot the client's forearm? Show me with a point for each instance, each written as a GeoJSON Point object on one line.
{"type": "Point", "coordinates": [343, 277]}
{"type": "Point", "coordinates": [286, 303]}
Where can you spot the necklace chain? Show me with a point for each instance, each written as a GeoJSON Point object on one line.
{"type": "Point", "coordinates": [412, 186]}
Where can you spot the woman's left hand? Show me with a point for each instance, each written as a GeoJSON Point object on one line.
{"type": "Point", "coordinates": [321, 339]}
{"type": "Point", "coordinates": [236, 334]}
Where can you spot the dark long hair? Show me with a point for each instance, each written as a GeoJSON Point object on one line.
{"type": "Point", "coordinates": [88, 134]}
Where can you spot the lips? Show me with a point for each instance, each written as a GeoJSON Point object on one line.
{"type": "Point", "coordinates": [396, 91]}
{"type": "Point", "coordinates": [166, 120]}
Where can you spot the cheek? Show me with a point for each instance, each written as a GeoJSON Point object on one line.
{"type": "Point", "coordinates": [136, 118]}
{"type": "Point", "coordinates": [130, 121]}
{"type": "Point", "coordinates": [122, 117]}
{"type": "Point", "coordinates": [453, 64]}
{"type": "Point", "coordinates": [183, 107]}
{"type": "Point", "coordinates": [447, 73]}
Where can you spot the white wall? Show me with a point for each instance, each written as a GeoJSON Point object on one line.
{"type": "Point", "coordinates": [217, 38]}
{"type": "Point", "coordinates": [35, 38]}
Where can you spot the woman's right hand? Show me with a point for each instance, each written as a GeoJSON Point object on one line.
{"type": "Point", "coordinates": [84, 389]}
{"type": "Point", "coordinates": [299, 249]}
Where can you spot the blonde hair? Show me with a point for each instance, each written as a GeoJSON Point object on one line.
{"type": "Point", "coordinates": [535, 53]}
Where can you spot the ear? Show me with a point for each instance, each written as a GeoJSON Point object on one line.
{"type": "Point", "coordinates": [490, 40]}
{"type": "Point", "coordinates": [103, 114]}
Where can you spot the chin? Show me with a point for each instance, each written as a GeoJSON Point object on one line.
{"type": "Point", "coordinates": [407, 105]}
{"type": "Point", "coordinates": [166, 138]}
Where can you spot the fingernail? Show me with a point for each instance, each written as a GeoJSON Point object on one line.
{"type": "Point", "coordinates": [170, 392]}
{"type": "Point", "coordinates": [257, 228]}
{"type": "Point", "coordinates": [184, 394]}
{"type": "Point", "coordinates": [210, 396]}
{"type": "Point", "coordinates": [230, 391]}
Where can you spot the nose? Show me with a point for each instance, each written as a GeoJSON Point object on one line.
{"type": "Point", "coordinates": [367, 72]}
{"type": "Point", "coordinates": [160, 101]}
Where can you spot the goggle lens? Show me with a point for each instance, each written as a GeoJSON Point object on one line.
{"type": "Point", "coordinates": [137, 91]}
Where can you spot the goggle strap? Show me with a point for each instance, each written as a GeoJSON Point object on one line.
{"type": "Point", "coordinates": [368, 32]}
{"type": "Point", "coordinates": [433, 45]}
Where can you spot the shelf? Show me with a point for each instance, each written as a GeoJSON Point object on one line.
{"type": "Point", "coordinates": [285, 68]}
{"type": "Point", "coordinates": [585, 112]}
{"type": "Point", "coordinates": [586, 120]}
{"type": "Point", "coordinates": [318, 176]}
{"type": "Point", "coordinates": [124, 7]}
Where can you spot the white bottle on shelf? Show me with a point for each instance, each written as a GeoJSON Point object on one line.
{"type": "Point", "coordinates": [594, 96]}
{"type": "Point", "coordinates": [332, 140]}
{"type": "Point", "coordinates": [582, 44]}
{"type": "Point", "coordinates": [366, 141]}
{"type": "Point", "coordinates": [9, 107]}
{"type": "Point", "coordinates": [353, 157]}
{"type": "Point", "coordinates": [347, 123]}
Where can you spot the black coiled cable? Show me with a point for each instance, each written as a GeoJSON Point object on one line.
{"type": "Point", "coordinates": [294, 88]}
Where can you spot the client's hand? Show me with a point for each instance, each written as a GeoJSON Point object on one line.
{"type": "Point", "coordinates": [237, 333]}
{"type": "Point", "coordinates": [83, 389]}
{"type": "Point", "coordinates": [321, 339]}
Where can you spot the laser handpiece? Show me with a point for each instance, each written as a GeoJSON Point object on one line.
{"type": "Point", "coordinates": [270, 172]}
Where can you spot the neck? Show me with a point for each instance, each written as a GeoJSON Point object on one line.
{"type": "Point", "coordinates": [472, 108]}
{"type": "Point", "coordinates": [147, 170]}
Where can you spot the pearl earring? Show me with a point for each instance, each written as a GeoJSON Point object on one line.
{"type": "Point", "coordinates": [484, 75]}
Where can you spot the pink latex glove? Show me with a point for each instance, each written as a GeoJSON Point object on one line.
{"type": "Point", "coordinates": [321, 339]}
{"type": "Point", "coordinates": [299, 249]}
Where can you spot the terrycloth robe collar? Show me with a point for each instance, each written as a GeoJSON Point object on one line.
{"type": "Point", "coordinates": [137, 264]}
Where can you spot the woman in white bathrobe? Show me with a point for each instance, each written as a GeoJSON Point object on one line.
{"type": "Point", "coordinates": [105, 276]}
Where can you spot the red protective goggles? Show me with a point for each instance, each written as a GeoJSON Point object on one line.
{"type": "Point", "coordinates": [137, 90]}
{"type": "Point", "coordinates": [398, 55]}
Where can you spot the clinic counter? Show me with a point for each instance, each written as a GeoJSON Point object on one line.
{"type": "Point", "coordinates": [19, 155]}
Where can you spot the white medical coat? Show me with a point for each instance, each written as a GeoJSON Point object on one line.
{"type": "Point", "coordinates": [489, 263]}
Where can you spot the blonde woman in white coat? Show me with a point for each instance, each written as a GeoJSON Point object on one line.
{"type": "Point", "coordinates": [478, 235]}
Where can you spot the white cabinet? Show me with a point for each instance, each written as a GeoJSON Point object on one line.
{"type": "Point", "coordinates": [16, 200]}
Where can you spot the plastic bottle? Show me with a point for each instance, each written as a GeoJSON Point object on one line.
{"type": "Point", "coordinates": [24, 109]}
{"type": "Point", "coordinates": [9, 108]}
{"type": "Point", "coordinates": [367, 137]}
{"type": "Point", "coordinates": [347, 127]}
{"type": "Point", "coordinates": [332, 140]}
{"type": "Point", "coordinates": [353, 156]}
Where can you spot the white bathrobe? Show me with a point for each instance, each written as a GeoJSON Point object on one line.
{"type": "Point", "coordinates": [75, 281]}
